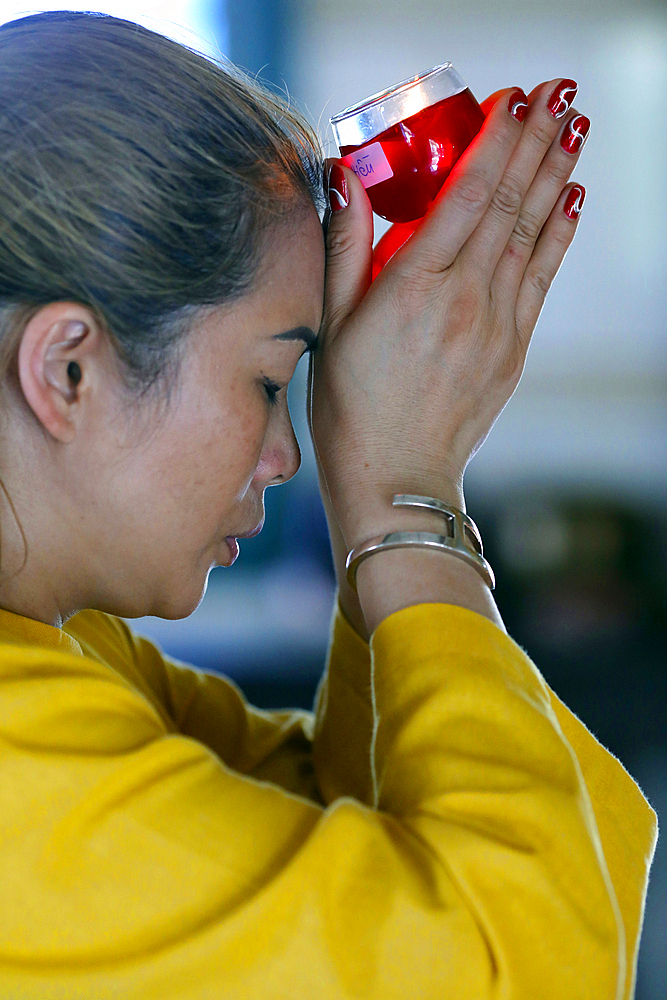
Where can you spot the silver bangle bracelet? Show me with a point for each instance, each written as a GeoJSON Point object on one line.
{"type": "Point", "coordinates": [462, 540]}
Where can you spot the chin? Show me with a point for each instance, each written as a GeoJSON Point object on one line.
{"type": "Point", "coordinates": [179, 603]}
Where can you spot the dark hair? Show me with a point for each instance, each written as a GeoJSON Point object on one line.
{"type": "Point", "coordinates": [137, 177]}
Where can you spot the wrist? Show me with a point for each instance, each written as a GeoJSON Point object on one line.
{"type": "Point", "coordinates": [380, 516]}
{"type": "Point", "coordinates": [459, 537]}
{"type": "Point", "coordinates": [407, 574]}
{"type": "Point", "coordinates": [397, 579]}
{"type": "Point", "coordinates": [348, 602]}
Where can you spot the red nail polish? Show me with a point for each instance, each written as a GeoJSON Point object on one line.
{"type": "Point", "coordinates": [574, 201]}
{"type": "Point", "coordinates": [575, 134]}
{"type": "Point", "coordinates": [561, 99]}
{"type": "Point", "coordinates": [518, 105]}
{"type": "Point", "coordinates": [338, 195]}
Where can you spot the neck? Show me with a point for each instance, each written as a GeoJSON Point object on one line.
{"type": "Point", "coordinates": [28, 567]}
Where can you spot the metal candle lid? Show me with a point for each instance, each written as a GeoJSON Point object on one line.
{"type": "Point", "coordinates": [361, 123]}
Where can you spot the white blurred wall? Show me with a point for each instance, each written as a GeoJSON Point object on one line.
{"type": "Point", "coordinates": [591, 410]}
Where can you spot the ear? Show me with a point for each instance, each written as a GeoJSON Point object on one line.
{"type": "Point", "coordinates": [58, 359]}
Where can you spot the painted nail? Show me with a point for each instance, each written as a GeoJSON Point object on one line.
{"type": "Point", "coordinates": [574, 201]}
{"type": "Point", "coordinates": [561, 99]}
{"type": "Point", "coordinates": [575, 133]}
{"type": "Point", "coordinates": [518, 105]}
{"type": "Point", "coordinates": [338, 196]}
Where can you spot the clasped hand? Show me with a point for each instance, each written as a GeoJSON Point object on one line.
{"type": "Point", "coordinates": [413, 369]}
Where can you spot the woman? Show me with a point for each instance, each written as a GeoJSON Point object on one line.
{"type": "Point", "coordinates": [441, 826]}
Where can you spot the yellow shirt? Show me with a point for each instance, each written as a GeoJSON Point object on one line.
{"type": "Point", "coordinates": [441, 826]}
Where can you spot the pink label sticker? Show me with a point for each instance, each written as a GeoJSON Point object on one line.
{"type": "Point", "coordinates": [369, 164]}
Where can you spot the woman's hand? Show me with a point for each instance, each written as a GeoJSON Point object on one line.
{"type": "Point", "coordinates": [413, 370]}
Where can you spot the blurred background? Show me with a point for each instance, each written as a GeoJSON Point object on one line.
{"type": "Point", "coordinates": [570, 491]}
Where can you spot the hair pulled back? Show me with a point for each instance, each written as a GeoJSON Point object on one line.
{"type": "Point", "coordinates": [136, 177]}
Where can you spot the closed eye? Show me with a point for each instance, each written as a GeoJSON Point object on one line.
{"type": "Point", "coordinates": [272, 389]}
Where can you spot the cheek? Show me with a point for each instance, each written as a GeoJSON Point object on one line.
{"type": "Point", "coordinates": [238, 447]}
{"type": "Point", "coordinates": [201, 465]}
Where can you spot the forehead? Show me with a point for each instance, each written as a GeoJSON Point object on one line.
{"type": "Point", "coordinates": [287, 294]}
{"type": "Point", "coordinates": [290, 279]}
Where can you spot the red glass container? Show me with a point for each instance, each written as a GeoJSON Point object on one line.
{"type": "Point", "coordinates": [403, 143]}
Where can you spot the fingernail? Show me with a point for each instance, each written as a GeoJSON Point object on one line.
{"type": "Point", "coordinates": [574, 201]}
{"type": "Point", "coordinates": [575, 133]}
{"type": "Point", "coordinates": [338, 196]}
{"type": "Point", "coordinates": [518, 105]}
{"type": "Point", "coordinates": [561, 99]}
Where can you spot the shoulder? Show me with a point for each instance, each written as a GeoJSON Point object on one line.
{"type": "Point", "coordinates": [111, 642]}
{"type": "Point", "coordinates": [102, 637]}
{"type": "Point", "coordinates": [73, 693]}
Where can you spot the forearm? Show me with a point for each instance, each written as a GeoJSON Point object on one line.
{"type": "Point", "coordinates": [349, 602]}
{"type": "Point", "coordinates": [400, 578]}
{"type": "Point", "coordinates": [347, 598]}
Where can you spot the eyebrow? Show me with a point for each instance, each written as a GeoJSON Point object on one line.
{"type": "Point", "coordinates": [299, 333]}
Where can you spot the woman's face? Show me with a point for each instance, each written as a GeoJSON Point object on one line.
{"type": "Point", "coordinates": [179, 483]}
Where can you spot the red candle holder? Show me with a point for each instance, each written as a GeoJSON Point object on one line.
{"type": "Point", "coordinates": [402, 144]}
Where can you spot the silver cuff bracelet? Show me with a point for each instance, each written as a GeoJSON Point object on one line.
{"type": "Point", "coordinates": [462, 539]}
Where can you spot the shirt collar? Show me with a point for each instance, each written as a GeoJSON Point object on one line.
{"type": "Point", "coordinates": [34, 633]}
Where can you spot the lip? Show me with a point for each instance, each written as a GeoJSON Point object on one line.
{"type": "Point", "coordinates": [233, 546]}
{"type": "Point", "coordinates": [255, 531]}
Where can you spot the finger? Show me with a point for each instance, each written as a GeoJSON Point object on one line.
{"type": "Point", "coordinates": [506, 211]}
{"type": "Point", "coordinates": [465, 196]}
{"type": "Point", "coordinates": [544, 192]}
{"type": "Point", "coordinates": [560, 97]}
{"type": "Point", "coordinates": [491, 101]}
{"type": "Point", "coordinates": [349, 246]}
{"type": "Point", "coordinates": [552, 245]}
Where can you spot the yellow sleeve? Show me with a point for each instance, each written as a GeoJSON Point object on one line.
{"type": "Point", "coordinates": [626, 824]}
{"type": "Point", "coordinates": [136, 862]}
{"type": "Point", "coordinates": [343, 732]}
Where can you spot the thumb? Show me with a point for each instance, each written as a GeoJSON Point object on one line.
{"type": "Point", "coordinates": [349, 245]}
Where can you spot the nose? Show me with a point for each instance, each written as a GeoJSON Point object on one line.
{"type": "Point", "coordinates": [280, 458]}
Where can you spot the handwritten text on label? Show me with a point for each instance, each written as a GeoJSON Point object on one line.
{"type": "Point", "coordinates": [369, 164]}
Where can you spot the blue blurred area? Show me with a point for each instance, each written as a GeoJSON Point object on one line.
{"type": "Point", "coordinates": [570, 491]}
